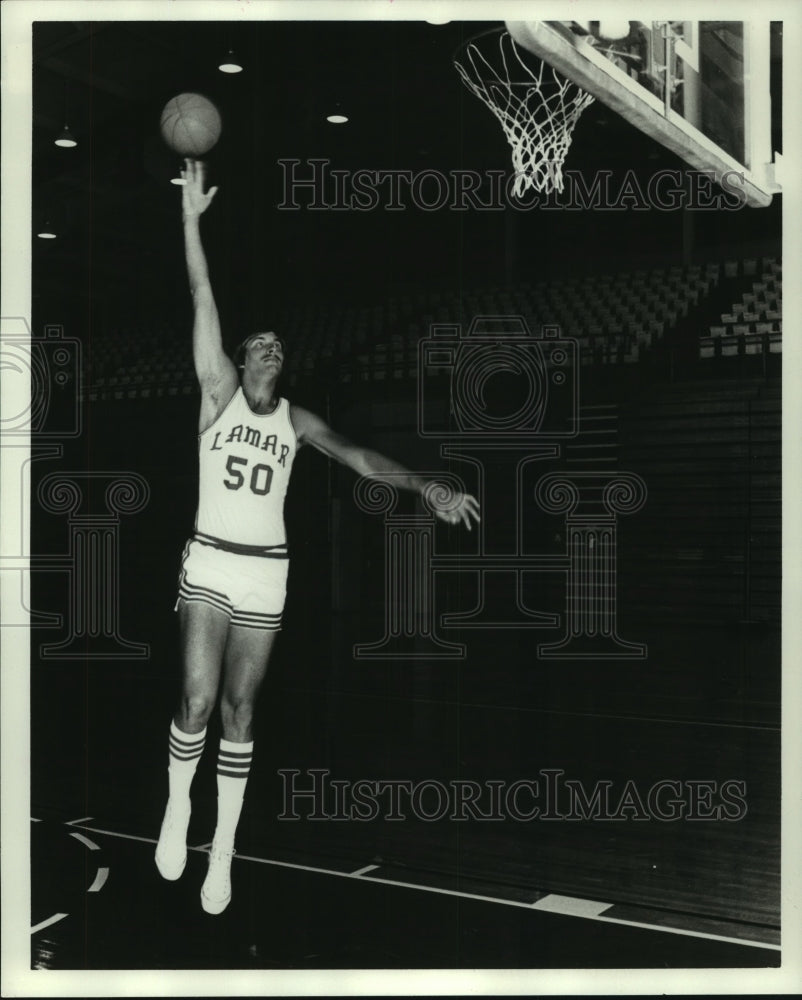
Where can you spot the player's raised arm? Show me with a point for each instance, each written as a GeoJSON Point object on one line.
{"type": "Point", "coordinates": [216, 373]}
{"type": "Point", "coordinates": [310, 429]}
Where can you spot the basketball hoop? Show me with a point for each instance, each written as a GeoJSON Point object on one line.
{"type": "Point", "coordinates": [538, 112]}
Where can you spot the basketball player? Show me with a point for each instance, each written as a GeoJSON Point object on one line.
{"type": "Point", "coordinates": [234, 571]}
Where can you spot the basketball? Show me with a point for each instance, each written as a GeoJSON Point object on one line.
{"type": "Point", "coordinates": [190, 124]}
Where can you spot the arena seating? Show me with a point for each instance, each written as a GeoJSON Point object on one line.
{"type": "Point", "coordinates": [618, 320]}
{"type": "Point", "coordinates": [752, 322]}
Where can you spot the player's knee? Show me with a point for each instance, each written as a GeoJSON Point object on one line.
{"type": "Point", "coordinates": [196, 708]}
{"type": "Point", "coordinates": [236, 714]}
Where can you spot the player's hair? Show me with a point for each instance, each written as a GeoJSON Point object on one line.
{"type": "Point", "coordinates": [238, 354]}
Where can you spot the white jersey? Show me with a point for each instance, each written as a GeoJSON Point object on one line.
{"type": "Point", "coordinates": [245, 464]}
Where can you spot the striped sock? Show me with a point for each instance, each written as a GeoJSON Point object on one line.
{"type": "Point", "coordinates": [233, 766]}
{"type": "Point", "coordinates": [185, 752]}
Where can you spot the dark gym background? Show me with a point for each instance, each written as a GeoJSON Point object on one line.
{"type": "Point", "coordinates": [353, 292]}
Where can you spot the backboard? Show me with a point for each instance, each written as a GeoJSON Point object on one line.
{"type": "Point", "coordinates": [701, 88]}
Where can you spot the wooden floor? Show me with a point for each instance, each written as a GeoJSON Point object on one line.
{"type": "Point", "coordinates": [676, 893]}
{"type": "Point", "coordinates": [287, 916]}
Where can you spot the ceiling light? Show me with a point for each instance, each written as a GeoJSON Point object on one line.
{"type": "Point", "coordinates": [437, 20]}
{"type": "Point", "coordinates": [230, 64]}
{"type": "Point", "coordinates": [337, 119]}
{"type": "Point", "coordinates": [46, 232]}
{"type": "Point", "coordinates": [66, 139]}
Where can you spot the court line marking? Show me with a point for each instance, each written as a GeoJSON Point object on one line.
{"type": "Point", "coordinates": [50, 920]}
{"type": "Point", "coordinates": [746, 942]}
{"type": "Point", "coordinates": [687, 933]}
{"type": "Point", "coordinates": [362, 871]}
{"type": "Point", "coordinates": [86, 841]}
{"type": "Point", "coordinates": [125, 836]}
{"type": "Point", "coordinates": [76, 822]}
{"type": "Point", "coordinates": [570, 906]}
{"type": "Point", "coordinates": [100, 880]}
{"type": "Point", "coordinates": [584, 916]}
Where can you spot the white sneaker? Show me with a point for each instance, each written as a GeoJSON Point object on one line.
{"type": "Point", "coordinates": [171, 851]}
{"type": "Point", "coordinates": [216, 889]}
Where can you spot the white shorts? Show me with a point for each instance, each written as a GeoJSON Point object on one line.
{"type": "Point", "coordinates": [250, 589]}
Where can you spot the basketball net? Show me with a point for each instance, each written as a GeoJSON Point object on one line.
{"type": "Point", "coordinates": [538, 111]}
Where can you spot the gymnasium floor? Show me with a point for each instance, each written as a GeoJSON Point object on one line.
{"type": "Point", "coordinates": [382, 894]}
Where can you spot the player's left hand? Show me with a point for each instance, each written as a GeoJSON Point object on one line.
{"type": "Point", "coordinates": [195, 199]}
{"type": "Point", "coordinates": [461, 507]}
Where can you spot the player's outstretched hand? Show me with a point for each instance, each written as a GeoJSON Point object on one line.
{"type": "Point", "coordinates": [460, 508]}
{"type": "Point", "coordinates": [194, 200]}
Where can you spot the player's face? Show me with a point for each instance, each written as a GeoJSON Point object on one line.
{"type": "Point", "coordinates": [264, 353]}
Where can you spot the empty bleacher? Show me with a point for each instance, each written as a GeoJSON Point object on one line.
{"type": "Point", "coordinates": [623, 319]}
{"type": "Point", "coordinates": [751, 323]}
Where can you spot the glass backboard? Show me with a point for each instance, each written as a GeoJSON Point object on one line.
{"type": "Point", "coordinates": [701, 88]}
